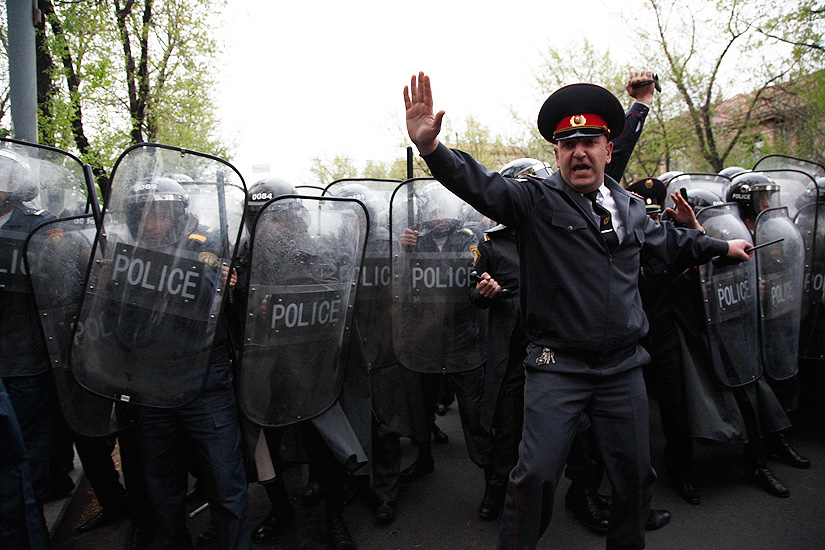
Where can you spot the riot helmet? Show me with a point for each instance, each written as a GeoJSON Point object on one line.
{"type": "Point", "coordinates": [365, 195]}
{"type": "Point", "coordinates": [526, 166]}
{"type": "Point", "coordinates": [16, 183]}
{"type": "Point", "coordinates": [262, 192]}
{"type": "Point", "coordinates": [157, 211]}
{"type": "Point", "coordinates": [701, 198]}
{"type": "Point", "coordinates": [440, 209]}
{"type": "Point", "coordinates": [286, 218]}
{"type": "Point", "coordinates": [732, 171]}
{"type": "Point", "coordinates": [667, 176]}
{"type": "Point", "coordinates": [753, 192]}
{"type": "Point", "coordinates": [180, 178]}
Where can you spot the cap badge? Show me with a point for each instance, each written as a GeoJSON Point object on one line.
{"type": "Point", "coordinates": [578, 120]}
{"type": "Point", "coordinates": [649, 184]}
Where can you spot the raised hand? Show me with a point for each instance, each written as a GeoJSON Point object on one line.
{"type": "Point", "coordinates": [422, 126]}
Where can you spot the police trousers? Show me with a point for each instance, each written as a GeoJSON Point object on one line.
{"type": "Point", "coordinates": [554, 403]}
{"type": "Point", "coordinates": [210, 426]}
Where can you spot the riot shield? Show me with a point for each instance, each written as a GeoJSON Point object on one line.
{"type": "Point", "coordinates": [784, 162]}
{"type": "Point", "coordinates": [780, 271]}
{"type": "Point", "coordinates": [373, 308]}
{"type": "Point", "coordinates": [305, 257]}
{"type": "Point", "coordinates": [435, 327]}
{"type": "Point", "coordinates": [57, 259]}
{"type": "Point", "coordinates": [716, 184]}
{"type": "Point", "coordinates": [810, 220]}
{"type": "Point", "coordinates": [155, 287]}
{"type": "Point", "coordinates": [309, 190]}
{"type": "Point", "coordinates": [36, 183]}
{"type": "Point", "coordinates": [729, 295]}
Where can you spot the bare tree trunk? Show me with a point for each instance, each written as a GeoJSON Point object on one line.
{"type": "Point", "coordinates": [73, 84]}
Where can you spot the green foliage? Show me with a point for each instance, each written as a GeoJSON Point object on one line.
{"type": "Point", "coordinates": [326, 171]}
{"type": "Point", "coordinates": [115, 107]}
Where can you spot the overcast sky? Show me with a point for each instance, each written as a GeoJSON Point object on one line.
{"type": "Point", "coordinates": [319, 79]}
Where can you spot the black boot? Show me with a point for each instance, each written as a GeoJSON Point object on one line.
{"type": "Point", "coordinates": [585, 507]}
{"type": "Point", "coordinates": [280, 517]}
{"type": "Point", "coordinates": [493, 501]}
{"type": "Point", "coordinates": [778, 447]}
{"type": "Point", "coordinates": [439, 436]}
{"type": "Point", "coordinates": [763, 476]}
{"type": "Point", "coordinates": [337, 533]}
{"type": "Point", "coordinates": [422, 466]}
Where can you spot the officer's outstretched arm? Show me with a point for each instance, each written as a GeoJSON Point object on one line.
{"type": "Point", "coordinates": [422, 126]}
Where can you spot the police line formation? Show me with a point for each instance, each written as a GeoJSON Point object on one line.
{"type": "Point", "coordinates": [227, 332]}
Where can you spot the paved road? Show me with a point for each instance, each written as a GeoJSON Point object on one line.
{"type": "Point", "coordinates": [439, 511]}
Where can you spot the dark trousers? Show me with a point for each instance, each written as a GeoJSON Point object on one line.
{"type": "Point", "coordinates": [34, 402]}
{"type": "Point", "coordinates": [386, 461]}
{"type": "Point", "coordinates": [21, 522]}
{"type": "Point", "coordinates": [508, 419]}
{"type": "Point", "coordinates": [553, 406]}
{"type": "Point", "coordinates": [210, 423]}
{"type": "Point", "coordinates": [467, 387]}
{"type": "Point", "coordinates": [96, 456]}
{"type": "Point", "coordinates": [663, 376]}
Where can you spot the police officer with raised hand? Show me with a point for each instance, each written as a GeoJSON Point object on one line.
{"type": "Point", "coordinates": [580, 258]}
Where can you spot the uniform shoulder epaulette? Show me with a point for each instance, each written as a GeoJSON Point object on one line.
{"type": "Point", "coordinates": [196, 237]}
{"type": "Point", "coordinates": [467, 230]}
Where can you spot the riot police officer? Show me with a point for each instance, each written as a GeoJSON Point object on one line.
{"type": "Point", "coordinates": [158, 219]}
{"type": "Point", "coordinates": [282, 252]}
{"type": "Point", "coordinates": [444, 329]}
{"type": "Point", "coordinates": [24, 362]}
{"type": "Point", "coordinates": [754, 193]}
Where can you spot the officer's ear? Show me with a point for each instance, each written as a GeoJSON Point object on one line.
{"type": "Point", "coordinates": [609, 150]}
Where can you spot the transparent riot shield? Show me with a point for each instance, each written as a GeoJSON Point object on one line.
{"type": "Point", "coordinates": [305, 258]}
{"type": "Point", "coordinates": [784, 162]}
{"type": "Point", "coordinates": [810, 220]}
{"type": "Point", "coordinates": [309, 190]}
{"type": "Point", "coordinates": [373, 308]}
{"type": "Point", "coordinates": [435, 327]}
{"type": "Point", "coordinates": [36, 184]}
{"type": "Point", "coordinates": [780, 271]}
{"type": "Point", "coordinates": [729, 294]}
{"type": "Point", "coordinates": [155, 287]}
{"type": "Point", "coordinates": [57, 259]}
{"type": "Point", "coordinates": [716, 184]}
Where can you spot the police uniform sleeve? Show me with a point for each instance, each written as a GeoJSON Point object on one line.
{"type": "Point", "coordinates": [505, 200]}
{"type": "Point", "coordinates": [678, 246]}
{"type": "Point", "coordinates": [624, 144]}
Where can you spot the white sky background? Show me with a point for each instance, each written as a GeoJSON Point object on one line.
{"type": "Point", "coordinates": [320, 79]}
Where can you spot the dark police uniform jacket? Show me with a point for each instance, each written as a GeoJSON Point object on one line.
{"type": "Point", "coordinates": [577, 297]}
{"type": "Point", "coordinates": [498, 256]}
{"type": "Point", "coordinates": [22, 349]}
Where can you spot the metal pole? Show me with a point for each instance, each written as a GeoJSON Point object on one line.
{"type": "Point", "coordinates": [22, 69]}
